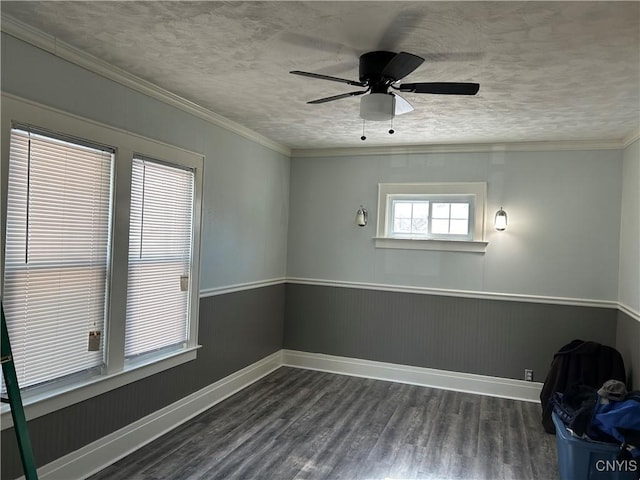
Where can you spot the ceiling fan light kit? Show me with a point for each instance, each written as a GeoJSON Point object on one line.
{"type": "Point", "coordinates": [377, 107]}
{"type": "Point", "coordinates": [381, 71]}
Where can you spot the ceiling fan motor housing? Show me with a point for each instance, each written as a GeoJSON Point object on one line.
{"type": "Point", "coordinates": [372, 65]}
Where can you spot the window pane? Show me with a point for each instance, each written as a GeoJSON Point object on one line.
{"type": "Point", "coordinates": [460, 210]}
{"type": "Point", "coordinates": [440, 210]}
{"type": "Point", "coordinates": [402, 225]}
{"type": "Point", "coordinates": [402, 210]}
{"type": "Point", "coordinates": [57, 245]}
{"type": "Point", "coordinates": [459, 227]}
{"type": "Point", "coordinates": [421, 210]}
{"type": "Point", "coordinates": [410, 217]}
{"type": "Point", "coordinates": [419, 225]}
{"type": "Point", "coordinates": [420, 218]}
{"type": "Point", "coordinates": [439, 226]}
{"type": "Point", "coordinates": [159, 257]}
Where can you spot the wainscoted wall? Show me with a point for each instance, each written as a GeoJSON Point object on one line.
{"type": "Point", "coordinates": [236, 329]}
{"type": "Point", "coordinates": [629, 270]}
{"type": "Point", "coordinates": [628, 343]}
{"type": "Point", "coordinates": [488, 337]}
{"type": "Point", "coordinates": [628, 334]}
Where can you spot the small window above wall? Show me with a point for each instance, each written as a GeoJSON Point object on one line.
{"type": "Point", "coordinates": [432, 216]}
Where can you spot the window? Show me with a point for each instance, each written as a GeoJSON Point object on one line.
{"type": "Point", "coordinates": [57, 251]}
{"type": "Point", "coordinates": [100, 271]}
{"type": "Point", "coordinates": [159, 257]}
{"type": "Point", "coordinates": [429, 216]}
{"type": "Point", "coordinates": [445, 216]}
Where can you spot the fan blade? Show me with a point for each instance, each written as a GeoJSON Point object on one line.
{"type": "Point", "coordinates": [327, 77]}
{"type": "Point", "coordinates": [441, 88]}
{"type": "Point", "coordinates": [338, 97]}
{"type": "Point", "coordinates": [401, 65]}
{"type": "Point", "coordinates": [402, 106]}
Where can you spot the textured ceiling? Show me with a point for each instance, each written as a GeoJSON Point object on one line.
{"type": "Point", "coordinates": [548, 71]}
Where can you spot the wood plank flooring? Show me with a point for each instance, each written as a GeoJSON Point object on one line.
{"type": "Point", "coordinates": [302, 424]}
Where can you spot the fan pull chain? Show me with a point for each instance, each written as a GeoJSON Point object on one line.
{"type": "Point", "coordinates": [391, 130]}
{"type": "Point", "coordinates": [363, 138]}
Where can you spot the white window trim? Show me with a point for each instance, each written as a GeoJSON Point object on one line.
{"type": "Point", "coordinates": [37, 404]}
{"type": "Point", "coordinates": [16, 110]}
{"type": "Point", "coordinates": [477, 189]}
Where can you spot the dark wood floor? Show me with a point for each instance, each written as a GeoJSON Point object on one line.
{"type": "Point", "coordinates": [302, 424]}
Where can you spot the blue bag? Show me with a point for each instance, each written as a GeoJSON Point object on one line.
{"type": "Point", "coordinates": [620, 420]}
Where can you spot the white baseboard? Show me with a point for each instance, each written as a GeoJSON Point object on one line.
{"type": "Point", "coordinates": [426, 377]}
{"type": "Point", "coordinates": [97, 455]}
{"type": "Point", "coordinates": [103, 452]}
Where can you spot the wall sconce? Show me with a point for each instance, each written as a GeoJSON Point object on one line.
{"type": "Point", "coordinates": [500, 222]}
{"type": "Point", "coordinates": [362, 216]}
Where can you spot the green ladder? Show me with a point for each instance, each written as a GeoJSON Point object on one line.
{"type": "Point", "coordinates": [15, 401]}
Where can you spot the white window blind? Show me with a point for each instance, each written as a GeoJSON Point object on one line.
{"type": "Point", "coordinates": [159, 257]}
{"type": "Point", "coordinates": [57, 251]}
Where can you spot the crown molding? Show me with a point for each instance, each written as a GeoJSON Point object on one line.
{"type": "Point", "coordinates": [464, 148]}
{"type": "Point", "coordinates": [60, 49]}
{"type": "Point", "coordinates": [629, 139]}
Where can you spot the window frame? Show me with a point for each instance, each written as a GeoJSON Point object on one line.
{"type": "Point", "coordinates": [135, 262]}
{"type": "Point", "coordinates": [432, 192]}
{"type": "Point", "coordinates": [56, 395]}
{"type": "Point", "coordinates": [393, 199]}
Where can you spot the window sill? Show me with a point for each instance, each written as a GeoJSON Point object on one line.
{"type": "Point", "coordinates": [421, 244]}
{"type": "Point", "coordinates": [37, 404]}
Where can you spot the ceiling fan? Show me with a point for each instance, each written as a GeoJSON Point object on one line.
{"type": "Point", "coordinates": [381, 72]}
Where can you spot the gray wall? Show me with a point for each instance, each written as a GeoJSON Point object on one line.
{"type": "Point", "coordinates": [487, 337]}
{"type": "Point", "coordinates": [236, 329]}
{"type": "Point", "coordinates": [246, 185]}
{"type": "Point", "coordinates": [562, 240]}
{"type": "Point", "coordinates": [628, 343]}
